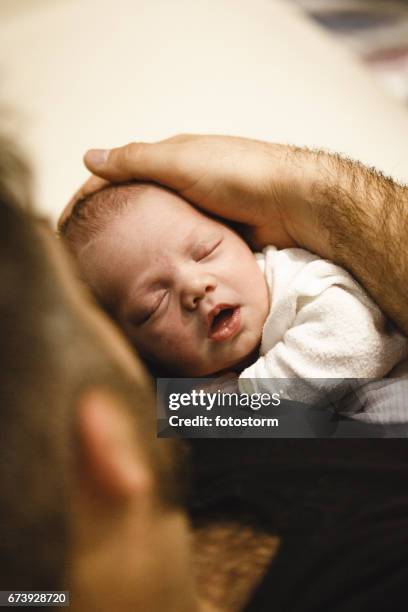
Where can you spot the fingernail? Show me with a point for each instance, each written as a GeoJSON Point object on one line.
{"type": "Point", "coordinates": [96, 157]}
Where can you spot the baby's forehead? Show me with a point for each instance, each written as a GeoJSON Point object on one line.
{"type": "Point", "coordinates": [155, 207]}
{"type": "Point", "coordinates": [169, 203]}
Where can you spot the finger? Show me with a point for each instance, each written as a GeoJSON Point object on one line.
{"type": "Point", "coordinates": [91, 185]}
{"type": "Point", "coordinates": [157, 162]}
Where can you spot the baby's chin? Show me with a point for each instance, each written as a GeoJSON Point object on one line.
{"type": "Point", "coordinates": [236, 366]}
{"type": "Point", "coordinates": [252, 343]}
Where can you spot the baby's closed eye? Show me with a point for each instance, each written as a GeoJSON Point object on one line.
{"type": "Point", "coordinates": [145, 314]}
{"type": "Point", "coordinates": [204, 249]}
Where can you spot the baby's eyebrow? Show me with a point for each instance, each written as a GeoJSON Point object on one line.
{"type": "Point", "coordinates": [196, 237]}
{"type": "Point", "coordinates": [191, 237]}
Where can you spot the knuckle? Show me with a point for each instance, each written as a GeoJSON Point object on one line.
{"type": "Point", "coordinates": [130, 154]}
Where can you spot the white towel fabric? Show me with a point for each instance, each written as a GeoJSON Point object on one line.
{"type": "Point", "coordinates": [321, 325]}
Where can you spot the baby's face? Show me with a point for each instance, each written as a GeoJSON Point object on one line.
{"type": "Point", "coordinates": [186, 289]}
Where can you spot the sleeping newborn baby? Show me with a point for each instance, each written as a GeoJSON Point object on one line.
{"type": "Point", "coordinates": [194, 299]}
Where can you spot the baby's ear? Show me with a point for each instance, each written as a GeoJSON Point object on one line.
{"type": "Point", "coordinates": [113, 463]}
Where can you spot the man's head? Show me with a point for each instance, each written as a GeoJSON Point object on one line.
{"type": "Point", "coordinates": [89, 497]}
{"type": "Point", "coordinates": [185, 288]}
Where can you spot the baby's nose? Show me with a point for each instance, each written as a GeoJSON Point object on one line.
{"type": "Point", "coordinates": [195, 289]}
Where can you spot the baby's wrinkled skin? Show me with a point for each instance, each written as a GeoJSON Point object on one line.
{"type": "Point", "coordinates": [185, 288]}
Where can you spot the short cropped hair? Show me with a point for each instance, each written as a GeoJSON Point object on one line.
{"type": "Point", "coordinates": [48, 357]}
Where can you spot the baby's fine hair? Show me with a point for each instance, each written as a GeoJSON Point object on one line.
{"type": "Point", "coordinates": [91, 215]}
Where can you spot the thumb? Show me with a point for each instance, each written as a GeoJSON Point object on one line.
{"type": "Point", "coordinates": [136, 161]}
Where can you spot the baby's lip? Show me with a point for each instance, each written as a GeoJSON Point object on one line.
{"type": "Point", "coordinates": [226, 327]}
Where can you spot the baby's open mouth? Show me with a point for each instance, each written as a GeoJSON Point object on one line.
{"type": "Point", "coordinates": [224, 322]}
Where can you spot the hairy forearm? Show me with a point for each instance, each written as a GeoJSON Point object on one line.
{"type": "Point", "coordinates": [358, 218]}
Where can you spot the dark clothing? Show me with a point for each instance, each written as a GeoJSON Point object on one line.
{"type": "Point", "coordinates": [339, 506]}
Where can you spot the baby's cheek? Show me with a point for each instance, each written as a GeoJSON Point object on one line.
{"type": "Point", "coordinates": [172, 343]}
{"type": "Point", "coordinates": [172, 347]}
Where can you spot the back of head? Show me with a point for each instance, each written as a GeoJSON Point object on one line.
{"type": "Point", "coordinates": [48, 357]}
{"type": "Point", "coordinates": [25, 430]}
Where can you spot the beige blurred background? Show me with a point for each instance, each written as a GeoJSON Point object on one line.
{"type": "Point", "coordinates": [88, 73]}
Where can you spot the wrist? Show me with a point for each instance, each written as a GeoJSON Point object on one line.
{"type": "Point", "coordinates": [305, 176]}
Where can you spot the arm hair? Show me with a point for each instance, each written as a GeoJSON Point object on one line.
{"type": "Point", "coordinates": [362, 217]}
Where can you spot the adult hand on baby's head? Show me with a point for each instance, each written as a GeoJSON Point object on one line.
{"type": "Point", "coordinates": [286, 196]}
{"type": "Point", "coordinates": [246, 181]}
